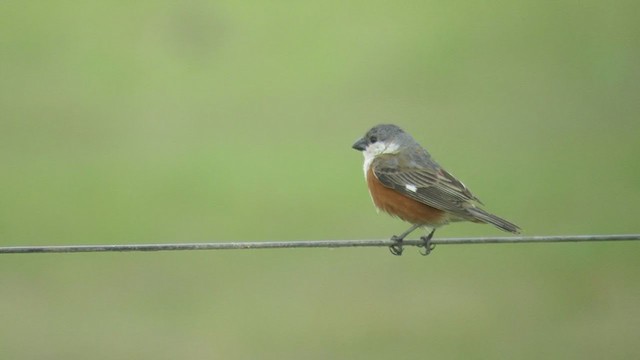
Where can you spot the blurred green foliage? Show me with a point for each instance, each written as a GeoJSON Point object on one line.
{"type": "Point", "coordinates": [163, 121]}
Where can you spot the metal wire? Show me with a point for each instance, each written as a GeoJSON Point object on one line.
{"type": "Point", "coordinates": [309, 244]}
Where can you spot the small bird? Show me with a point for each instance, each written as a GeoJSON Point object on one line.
{"type": "Point", "coordinates": [406, 182]}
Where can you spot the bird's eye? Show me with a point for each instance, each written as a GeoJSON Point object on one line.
{"type": "Point", "coordinates": [373, 139]}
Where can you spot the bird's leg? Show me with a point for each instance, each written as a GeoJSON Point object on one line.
{"type": "Point", "coordinates": [396, 249]}
{"type": "Point", "coordinates": [427, 245]}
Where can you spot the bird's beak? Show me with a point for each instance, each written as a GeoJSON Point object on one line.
{"type": "Point", "coordinates": [360, 145]}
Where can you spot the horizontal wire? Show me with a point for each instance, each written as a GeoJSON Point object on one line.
{"type": "Point", "coordinates": [309, 244]}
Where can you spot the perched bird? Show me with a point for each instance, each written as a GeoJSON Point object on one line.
{"type": "Point", "coordinates": [406, 182]}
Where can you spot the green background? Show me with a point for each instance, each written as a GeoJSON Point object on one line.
{"type": "Point", "coordinates": [162, 121]}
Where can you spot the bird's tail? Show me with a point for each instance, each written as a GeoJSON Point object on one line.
{"type": "Point", "coordinates": [487, 218]}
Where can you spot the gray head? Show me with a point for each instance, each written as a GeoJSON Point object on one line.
{"type": "Point", "coordinates": [384, 139]}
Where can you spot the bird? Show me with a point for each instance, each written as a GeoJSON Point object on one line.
{"type": "Point", "coordinates": [406, 182]}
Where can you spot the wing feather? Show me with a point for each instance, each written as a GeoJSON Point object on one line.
{"type": "Point", "coordinates": [434, 186]}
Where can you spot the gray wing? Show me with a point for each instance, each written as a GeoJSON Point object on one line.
{"type": "Point", "coordinates": [422, 179]}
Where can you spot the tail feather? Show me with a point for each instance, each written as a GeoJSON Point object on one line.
{"type": "Point", "coordinates": [498, 222]}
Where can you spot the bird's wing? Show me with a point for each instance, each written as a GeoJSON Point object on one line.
{"type": "Point", "coordinates": [424, 181]}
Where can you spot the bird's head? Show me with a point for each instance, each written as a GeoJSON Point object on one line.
{"type": "Point", "coordinates": [383, 139]}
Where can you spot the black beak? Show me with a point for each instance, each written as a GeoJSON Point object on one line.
{"type": "Point", "coordinates": [360, 145]}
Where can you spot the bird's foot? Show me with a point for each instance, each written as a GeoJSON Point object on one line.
{"type": "Point", "coordinates": [396, 249]}
{"type": "Point", "coordinates": [426, 245]}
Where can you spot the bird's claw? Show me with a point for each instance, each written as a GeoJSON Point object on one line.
{"type": "Point", "coordinates": [426, 246]}
{"type": "Point", "coordinates": [396, 249]}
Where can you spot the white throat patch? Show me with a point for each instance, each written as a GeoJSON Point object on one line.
{"type": "Point", "coordinates": [375, 149]}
